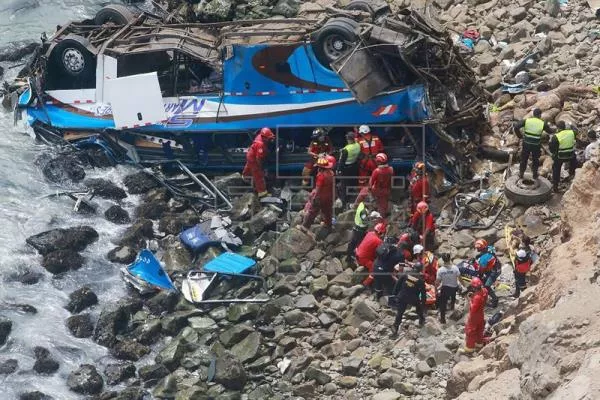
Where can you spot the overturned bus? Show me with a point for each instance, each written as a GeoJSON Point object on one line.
{"type": "Point", "coordinates": [145, 91]}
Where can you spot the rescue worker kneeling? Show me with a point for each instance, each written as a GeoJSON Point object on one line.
{"type": "Point", "coordinates": [476, 319]}
{"type": "Point", "coordinates": [366, 252]}
{"type": "Point", "coordinates": [322, 197]}
{"type": "Point", "coordinates": [522, 266]}
{"type": "Point", "coordinates": [409, 291]}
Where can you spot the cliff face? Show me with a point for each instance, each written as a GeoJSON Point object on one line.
{"type": "Point", "coordinates": [550, 343]}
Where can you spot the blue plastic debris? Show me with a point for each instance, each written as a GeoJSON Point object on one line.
{"type": "Point", "coordinates": [148, 274]}
{"type": "Point", "coordinates": [229, 263]}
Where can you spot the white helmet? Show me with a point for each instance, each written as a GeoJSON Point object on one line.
{"type": "Point", "coordinates": [364, 129]}
{"type": "Point", "coordinates": [375, 215]}
{"type": "Point", "coordinates": [417, 249]}
{"type": "Point", "coordinates": [521, 253]}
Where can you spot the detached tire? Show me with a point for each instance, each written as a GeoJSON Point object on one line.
{"type": "Point", "coordinates": [360, 5]}
{"type": "Point", "coordinates": [334, 39]}
{"type": "Point", "coordinates": [527, 191]}
{"type": "Point", "coordinates": [115, 14]}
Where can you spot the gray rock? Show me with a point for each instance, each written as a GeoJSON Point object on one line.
{"type": "Point", "coordinates": [244, 207]}
{"type": "Point", "coordinates": [314, 373]}
{"type": "Point", "coordinates": [351, 365]}
{"type": "Point", "coordinates": [405, 388]}
{"type": "Point", "coordinates": [291, 243]}
{"type": "Point", "coordinates": [201, 356]}
{"type": "Point", "coordinates": [582, 50]}
{"type": "Point", "coordinates": [423, 369]}
{"type": "Point", "coordinates": [202, 324]}
{"type": "Point", "coordinates": [230, 372]}
{"type": "Point", "coordinates": [242, 312]}
{"type": "Point", "coordinates": [546, 24]}
{"type": "Point", "coordinates": [149, 332]}
{"type": "Point", "coordinates": [139, 183]}
{"type": "Point", "coordinates": [172, 354]}
{"type": "Point", "coordinates": [129, 350]}
{"type": "Point", "coordinates": [122, 255]}
{"type": "Point", "coordinates": [5, 329]}
{"type": "Point", "coordinates": [269, 265]}
{"type": "Point", "coordinates": [247, 349]}
{"type": "Point", "coordinates": [306, 302]}
{"type": "Point", "coordinates": [60, 261]}
{"type": "Point", "coordinates": [261, 392]}
{"type": "Point", "coordinates": [64, 170]}
{"type": "Point", "coordinates": [261, 221]}
{"type": "Point", "coordinates": [44, 363]}
{"type": "Point", "coordinates": [85, 380]}
{"type": "Point", "coordinates": [361, 312]}
{"type": "Point", "coordinates": [295, 317]}
{"type": "Point", "coordinates": [74, 239]}
{"type": "Point", "coordinates": [386, 395]}
{"type": "Point", "coordinates": [231, 184]}
{"type": "Point", "coordinates": [80, 326]}
{"type": "Point", "coordinates": [216, 10]}
{"type": "Point", "coordinates": [117, 373]}
{"type": "Point", "coordinates": [36, 395]}
{"type": "Point", "coordinates": [306, 390]}
{"type": "Point", "coordinates": [105, 189]}
{"type": "Point", "coordinates": [388, 380]}
{"type": "Point", "coordinates": [9, 366]}
{"type": "Point", "coordinates": [235, 334]}
{"type": "Point", "coordinates": [287, 8]}
{"type": "Point", "coordinates": [347, 382]}
{"type": "Point", "coordinates": [117, 215]}
{"type": "Point", "coordinates": [81, 299]}
{"type": "Point", "coordinates": [327, 319]}
{"type": "Point", "coordinates": [486, 63]}
{"type": "Point", "coordinates": [319, 285]}
{"type": "Point", "coordinates": [152, 373]}
{"type": "Point", "coordinates": [14, 51]}
{"type": "Point", "coordinates": [517, 13]}
{"type": "Point", "coordinates": [320, 339]}
{"type": "Point", "coordinates": [113, 321]}
{"type": "Point", "coordinates": [135, 236]}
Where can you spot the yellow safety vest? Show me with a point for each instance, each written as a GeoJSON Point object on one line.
{"type": "Point", "coordinates": [566, 144]}
{"type": "Point", "coordinates": [353, 150]}
{"type": "Point", "coordinates": [533, 130]}
{"type": "Point", "coordinates": [358, 220]}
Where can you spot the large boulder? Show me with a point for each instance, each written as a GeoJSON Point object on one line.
{"type": "Point", "coordinates": [5, 328]}
{"type": "Point", "coordinates": [361, 312]}
{"type": "Point", "coordinates": [135, 236]}
{"type": "Point", "coordinates": [35, 395]}
{"type": "Point", "coordinates": [117, 215]}
{"type": "Point", "coordinates": [44, 362]}
{"type": "Point", "coordinates": [262, 220]}
{"type": "Point", "coordinates": [244, 207]}
{"type": "Point", "coordinates": [113, 321]}
{"type": "Point", "coordinates": [235, 334]}
{"type": "Point", "coordinates": [9, 366]}
{"type": "Point", "coordinates": [81, 299]}
{"type": "Point", "coordinates": [242, 312]}
{"type": "Point", "coordinates": [215, 10]}
{"type": "Point", "coordinates": [129, 350]}
{"type": "Point", "coordinates": [81, 325]}
{"type": "Point", "coordinates": [139, 183]}
{"type": "Point", "coordinates": [121, 255]}
{"type": "Point", "coordinates": [105, 189]}
{"type": "Point", "coordinates": [117, 373]}
{"type": "Point", "coordinates": [64, 170]}
{"type": "Point", "coordinates": [151, 374]}
{"type": "Point", "coordinates": [463, 373]}
{"type": "Point", "coordinates": [60, 261]}
{"type": "Point", "coordinates": [292, 243]}
{"type": "Point", "coordinates": [172, 354]}
{"type": "Point", "coordinates": [76, 238]}
{"type": "Point", "coordinates": [151, 210]}
{"type": "Point", "coordinates": [247, 349]}
{"type": "Point", "coordinates": [230, 372]}
{"type": "Point", "coordinates": [85, 380]}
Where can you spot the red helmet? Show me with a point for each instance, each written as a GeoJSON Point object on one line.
{"type": "Point", "coordinates": [481, 244]}
{"type": "Point", "coordinates": [476, 283]}
{"type": "Point", "coordinates": [380, 228]}
{"type": "Point", "coordinates": [381, 158]}
{"type": "Point", "coordinates": [266, 133]}
{"type": "Point", "coordinates": [331, 159]}
{"type": "Point", "coordinates": [404, 238]}
{"type": "Point", "coordinates": [324, 163]}
{"type": "Point", "coordinates": [422, 207]}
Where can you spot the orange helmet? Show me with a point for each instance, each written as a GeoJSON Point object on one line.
{"type": "Point", "coordinates": [419, 167]}
{"type": "Point", "coordinates": [481, 244]}
{"type": "Point", "coordinates": [380, 228]}
{"type": "Point", "coordinates": [266, 133]}
{"type": "Point", "coordinates": [323, 163]}
{"type": "Point", "coordinates": [422, 207]}
{"type": "Point", "coordinates": [381, 158]}
{"type": "Point", "coordinates": [331, 159]}
{"type": "Point", "coordinates": [476, 283]}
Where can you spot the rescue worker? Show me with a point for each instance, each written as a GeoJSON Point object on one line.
{"type": "Point", "coordinates": [429, 261]}
{"type": "Point", "coordinates": [322, 197]}
{"type": "Point", "coordinates": [562, 146]}
{"type": "Point", "coordinates": [419, 186]}
{"type": "Point", "coordinates": [532, 141]}
{"type": "Point", "coordinates": [366, 252]}
{"type": "Point", "coordinates": [255, 157]}
{"type": "Point", "coordinates": [405, 245]}
{"type": "Point", "coordinates": [380, 184]}
{"type": "Point", "coordinates": [488, 267]}
{"type": "Point", "coordinates": [523, 263]}
{"type": "Point", "coordinates": [591, 149]}
{"type": "Point", "coordinates": [476, 319]}
{"type": "Point", "coordinates": [388, 255]}
{"type": "Point", "coordinates": [448, 282]}
{"type": "Point", "coordinates": [409, 291]}
{"type": "Point", "coordinates": [370, 146]}
{"type": "Point", "coordinates": [320, 145]}
{"type": "Point", "coordinates": [422, 221]}
{"type": "Point", "coordinates": [348, 165]}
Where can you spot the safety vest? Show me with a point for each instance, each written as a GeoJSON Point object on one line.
{"type": "Point", "coordinates": [353, 150]}
{"type": "Point", "coordinates": [358, 219]}
{"type": "Point", "coordinates": [533, 130]}
{"type": "Point", "coordinates": [566, 144]}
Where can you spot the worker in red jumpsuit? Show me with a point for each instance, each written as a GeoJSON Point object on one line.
{"type": "Point", "coordinates": [370, 146]}
{"type": "Point", "coordinates": [256, 155]}
{"type": "Point", "coordinates": [366, 252]}
{"type": "Point", "coordinates": [422, 221]}
{"type": "Point", "coordinates": [476, 320]}
{"type": "Point", "coordinates": [380, 184]}
{"type": "Point", "coordinates": [429, 261]}
{"type": "Point", "coordinates": [419, 186]}
{"type": "Point", "coordinates": [320, 145]}
{"type": "Point", "coordinates": [322, 197]}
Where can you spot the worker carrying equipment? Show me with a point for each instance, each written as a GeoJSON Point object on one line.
{"type": "Point", "coordinates": [255, 157]}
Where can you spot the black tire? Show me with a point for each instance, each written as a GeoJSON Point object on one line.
{"type": "Point", "coordinates": [334, 39]}
{"type": "Point", "coordinates": [494, 154]}
{"type": "Point", "coordinates": [527, 191]}
{"type": "Point", "coordinates": [114, 13]}
{"type": "Point", "coordinates": [71, 58]}
{"type": "Point", "coordinates": [360, 5]}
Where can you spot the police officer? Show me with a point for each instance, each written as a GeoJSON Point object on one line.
{"type": "Point", "coordinates": [348, 165]}
{"type": "Point", "coordinates": [388, 255]}
{"type": "Point", "coordinates": [410, 290]}
{"type": "Point", "coordinates": [532, 136]}
{"type": "Point", "coordinates": [562, 146]}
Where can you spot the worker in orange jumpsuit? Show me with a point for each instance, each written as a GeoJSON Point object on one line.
{"type": "Point", "coordinates": [422, 221]}
{"type": "Point", "coordinates": [322, 197]}
{"type": "Point", "coordinates": [419, 186]}
{"type": "Point", "coordinates": [256, 155]}
{"type": "Point", "coordinates": [366, 252]}
{"type": "Point", "coordinates": [320, 145]}
{"type": "Point", "coordinates": [370, 146]}
{"type": "Point", "coordinates": [476, 320]}
{"type": "Point", "coordinates": [380, 184]}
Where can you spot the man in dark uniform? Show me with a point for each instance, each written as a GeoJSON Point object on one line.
{"type": "Point", "coordinates": [532, 141]}
{"type": "Point", "coordinates": [562, 146]}
{"type": "Point", "coordinates": [410, 291]}
{"type": "Point", "coordinates": [388, 255]}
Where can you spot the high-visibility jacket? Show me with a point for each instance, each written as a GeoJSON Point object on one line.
{"type": "Point", "coordinates": [566, 144]}
{"type": "Point", "coordinates": [533, 131]}
{"type": "Point", "coordinates": [370, 145]}
{"type": "Point", "coordinates": [360, 215]}
{"type": "Point", "coordinates": [352, 152]}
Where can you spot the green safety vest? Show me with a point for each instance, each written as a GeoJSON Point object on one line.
{"type": "Point", "coordinates": [358, 220]}
{"type": "Point", "coordinates": [533, 130]}
{"type": "Point", "coordinates": [353, 150]}
{"type": "Point", "coordinates": [566, 144]}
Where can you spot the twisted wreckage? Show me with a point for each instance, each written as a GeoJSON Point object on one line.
{"type": "Point", "coordinates": [146, 90]}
